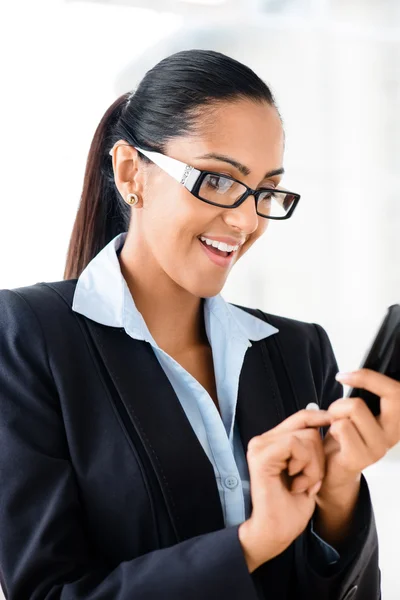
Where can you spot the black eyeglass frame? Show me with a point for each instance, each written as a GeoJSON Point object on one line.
{"type": "Point", "coordinates": [249, 192]}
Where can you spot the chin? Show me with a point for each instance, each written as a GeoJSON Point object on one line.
{"type": "Point", "coordinates": [201, 283]}
{"type": "Point", "coordinates": [207, 290]}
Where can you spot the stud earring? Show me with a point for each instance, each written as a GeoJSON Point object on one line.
{"type": "Point", "coordinates": [132, 199]}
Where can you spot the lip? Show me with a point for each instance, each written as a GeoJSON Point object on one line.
{"type": "Point", "coordinates": [226, 240]}
{"type": "Point", "coordinates": [221, 261]}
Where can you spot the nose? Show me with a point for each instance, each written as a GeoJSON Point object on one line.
{"type": "Point", "coordinates": [243, 217]}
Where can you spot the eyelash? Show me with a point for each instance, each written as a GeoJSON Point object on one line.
{"type": "Point", "coordinates": [272, 184]}
{"type": "Point", "coordinates": [269, 184]}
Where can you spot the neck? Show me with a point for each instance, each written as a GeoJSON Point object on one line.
{"type": "Point", "coordinates": [173, 316]}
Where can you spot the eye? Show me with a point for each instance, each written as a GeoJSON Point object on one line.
{"type": "Point", "coordinates": [267, 194]}
{"type": "Point", "coordinates": [218, 183]}
{"type": "Point", "coordinates": [214, 181]}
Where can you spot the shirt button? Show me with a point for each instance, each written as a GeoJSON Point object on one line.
{"type": "Point", "coordinates": [231, 482]}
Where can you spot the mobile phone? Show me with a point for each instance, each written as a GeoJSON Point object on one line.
{"type": "Point", "coordinates": [383, 356]}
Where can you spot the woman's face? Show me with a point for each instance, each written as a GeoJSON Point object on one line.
{"type": "Point", "coordinates": [169, 221]}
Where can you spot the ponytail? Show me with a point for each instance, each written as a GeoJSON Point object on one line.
{"type": "Point", "coordinates": [101, 214]}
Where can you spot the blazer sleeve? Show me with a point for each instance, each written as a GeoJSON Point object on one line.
{"type": "Point", "coordinates": [44, 552]}
{"type": "Point", "coordinates": [356, 574]}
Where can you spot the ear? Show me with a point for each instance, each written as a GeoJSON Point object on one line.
{"type": "Point", "coordinates": [128, 174]}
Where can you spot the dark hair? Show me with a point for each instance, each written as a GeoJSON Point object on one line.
{"type": "Point", "coordinates": [163, 107]}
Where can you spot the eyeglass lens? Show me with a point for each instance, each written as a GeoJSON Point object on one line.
{"type": "Point", "coordinates": [222, 190]}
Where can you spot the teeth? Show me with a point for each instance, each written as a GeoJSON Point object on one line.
{"type": "Point", "coordinates": [220, 245]}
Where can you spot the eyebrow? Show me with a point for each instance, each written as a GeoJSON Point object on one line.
{"type": "Point", "coordinates": [239, 166]}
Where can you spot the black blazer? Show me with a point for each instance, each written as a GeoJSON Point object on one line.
{"type": "Point", "coordinates": [106, 492]}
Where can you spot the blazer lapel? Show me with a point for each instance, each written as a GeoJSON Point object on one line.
{"type": "Point", "coordinates": [259, 406]}
{"type": "Point", "coordinates": [263, 385]}
{"type": "Point", "coordinates": [184, 472]}
{"type": "Point", "coordinates": [267, 395]}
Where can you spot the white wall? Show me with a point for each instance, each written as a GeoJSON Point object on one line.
{"type": "Point", "coordinates": [337, 82]}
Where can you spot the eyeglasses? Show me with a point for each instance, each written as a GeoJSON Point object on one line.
{"type": "Point", "coordinates": [225, 191]}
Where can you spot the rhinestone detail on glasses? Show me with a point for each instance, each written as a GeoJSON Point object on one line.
{"type": "Point", "coordinates": [186, 174]}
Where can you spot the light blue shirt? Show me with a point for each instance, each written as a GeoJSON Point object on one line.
{"type": "Point", "coordinates": [102, 295]}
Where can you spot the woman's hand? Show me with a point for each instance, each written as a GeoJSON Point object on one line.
{"type": "Point", "coordinates": [355, 440]}
{"type": "Point", "coordinates": [286, 466]}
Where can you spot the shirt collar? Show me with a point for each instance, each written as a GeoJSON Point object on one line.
{"type": "Point", "coordinates": [101, 294]}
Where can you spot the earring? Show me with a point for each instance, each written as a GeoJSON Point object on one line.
{"type": "Point", "coordinates": [132, 199]}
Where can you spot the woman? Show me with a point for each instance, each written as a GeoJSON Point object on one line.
{"type": "Point", "coordinates": [137, 406]}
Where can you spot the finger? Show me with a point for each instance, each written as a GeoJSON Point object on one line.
{"type": "Point", "coordinates": [314, 437]}
{"type": "Point", "coordinates": [272, 458]}
{"type": "Point", "coordinates": [301, 420]}
{"type": "Point", "coordinates": [389, 418]}
{"type": "Point", "coordinates": [311, 471]}
{"type": "Point", "coordinates": [369, 429]}
{"type": "Point", "coordinates": [303, 483]}
{"type": "Point", "coordinates": [354, 453]}
{"type": "Point", "coordinates": [388, 390]}
{"type": "Point", "coordinates": [331, 446]}
{"type": "Point", "coordinates": [299, 460]}
{"type": "Point", "coordinates": [374, 382]}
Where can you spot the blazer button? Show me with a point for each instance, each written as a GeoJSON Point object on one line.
{"type": "Point", "coordinates": [351, 593]}
{"type": "Point", "coordinates": [312, 406]}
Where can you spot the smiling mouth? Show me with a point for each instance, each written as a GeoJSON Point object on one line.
{"type": "Point", "coordinates": [216, 251]}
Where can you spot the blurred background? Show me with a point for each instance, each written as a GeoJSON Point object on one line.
{"type": "Point", "coordinates": [334, 67]}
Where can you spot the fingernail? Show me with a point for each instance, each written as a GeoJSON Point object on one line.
{"type": "Point", "coordinates": [343, 376]}
{"type": "Point", "coordinates": [315, 489]}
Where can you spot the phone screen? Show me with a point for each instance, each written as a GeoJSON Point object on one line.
{"type": "Point", "coordinates": [383, 356]}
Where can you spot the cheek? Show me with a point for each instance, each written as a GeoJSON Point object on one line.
{"type": "Point", "coordinates": [181, 212]}
{"type": "Point", "coordinates": [172, 220]}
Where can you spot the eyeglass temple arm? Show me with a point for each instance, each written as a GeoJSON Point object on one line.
{"type": "Point", "coordinates": [179, 170]}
